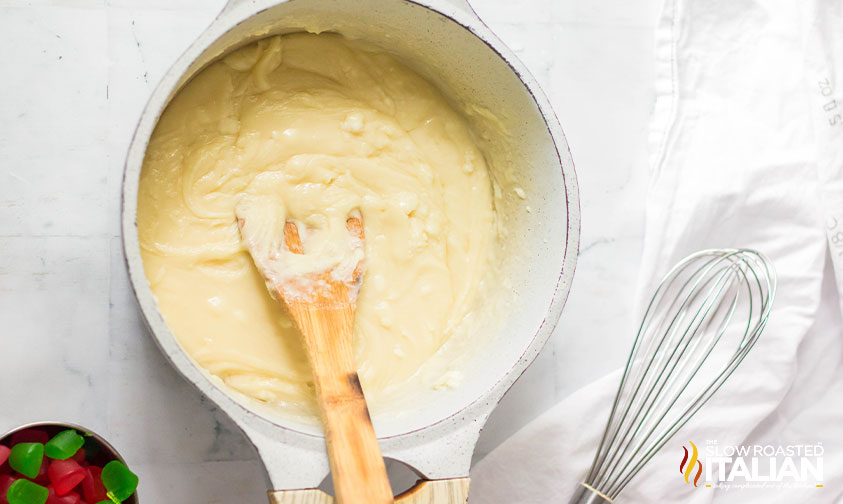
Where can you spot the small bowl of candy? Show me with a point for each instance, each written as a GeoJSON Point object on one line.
{"type": "Point", "coordinates": [52, 463]}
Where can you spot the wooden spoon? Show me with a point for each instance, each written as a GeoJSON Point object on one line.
{"type": "Point", "coordinates": [323, 307]}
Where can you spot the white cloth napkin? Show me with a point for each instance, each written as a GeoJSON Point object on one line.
{"type": "Point", "coordinates": [746, 151]}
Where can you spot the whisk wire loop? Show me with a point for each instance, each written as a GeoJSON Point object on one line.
{"type": "Point", "coordinates": [668, 363]}
{"type": "Point", "coordinates": [689, 342]}
{"type": "Point", "coordinates": [646, 380]}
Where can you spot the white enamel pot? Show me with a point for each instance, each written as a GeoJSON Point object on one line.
{"type": "Point", "coordinates": [538, 205]}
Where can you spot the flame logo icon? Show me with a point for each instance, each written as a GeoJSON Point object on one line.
{"type": "Point", "coordinates": [687, 466]}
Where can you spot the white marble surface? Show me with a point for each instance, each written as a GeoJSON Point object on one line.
{"type": "Point", "coordinates": [76, 74]}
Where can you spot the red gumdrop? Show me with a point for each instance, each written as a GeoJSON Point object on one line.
{"type": "Point", "coordinates": [43, 478]}
{"type": "Point", "coordinates": [70, 498]}
{"type": "Point", "coordinates": [4, 454]}
{"type": "Point", "coordinates": [5, 482]}
{"type": "Point", "coordinates": [30, 436]}
{"type": "Point", "coordinates": [65, 475]}
{"type": "Point", "coordinates": [92, 486]}
{"type": "Point", "coordinates": [79, 456]}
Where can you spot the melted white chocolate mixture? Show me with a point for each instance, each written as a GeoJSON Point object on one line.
{"type": "Point", "coordinates": [310, 129]}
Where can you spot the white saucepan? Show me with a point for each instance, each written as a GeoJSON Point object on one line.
{"type": "Point", "coordinates": [444, 40]}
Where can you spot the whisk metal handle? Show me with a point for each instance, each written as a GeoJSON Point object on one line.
{"type": "Point", "coordinates": [588, 495]}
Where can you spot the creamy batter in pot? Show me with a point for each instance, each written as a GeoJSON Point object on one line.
{"type": "Point", "coordinates": [315, 127]}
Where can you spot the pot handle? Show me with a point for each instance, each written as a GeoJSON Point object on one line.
{"type": "Point", "coordinates": [448, 491]}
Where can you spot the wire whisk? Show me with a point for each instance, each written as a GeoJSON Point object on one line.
{"type": "Point", "coordinates": [705, 316]}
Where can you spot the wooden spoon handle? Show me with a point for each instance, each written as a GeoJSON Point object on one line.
{"type": "Point", "coordinates": [357, 465]}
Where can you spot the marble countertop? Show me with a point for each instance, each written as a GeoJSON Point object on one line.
{"type": "Point", "coordinates": [77, 74]}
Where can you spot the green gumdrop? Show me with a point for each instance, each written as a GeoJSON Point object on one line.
{"type": "Point", "coordinates": [64, 445]}
{"type": "Point", "coordinates": [26, 458]}
{"type": "Point", "coordinates": [26, 492]}
{"type": "Point", "coordinates": [119, 481]}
